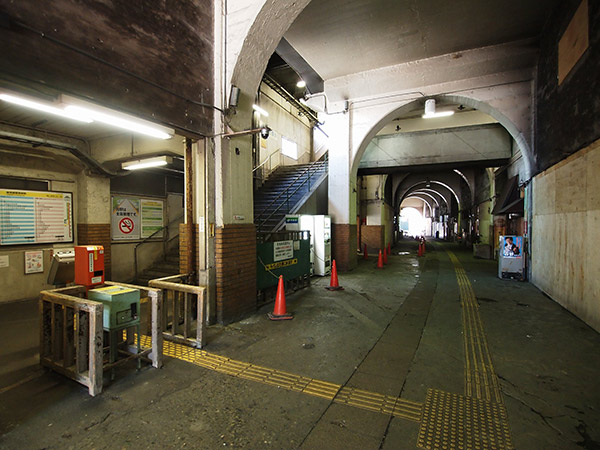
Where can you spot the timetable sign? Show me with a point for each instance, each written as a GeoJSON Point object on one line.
{"type": "Point", "coordinates": [34, 217]}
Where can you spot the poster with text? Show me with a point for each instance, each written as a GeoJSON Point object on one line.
{"type": "Point", "coordinates": [125, 218]}
{"type": "Point", "coordinates": [152, 218]}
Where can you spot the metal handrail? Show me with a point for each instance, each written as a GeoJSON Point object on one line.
{"type": "Point", "coordinates": [288, 188]}
{"type": "Point", "coordinates": [166, 239]}
{"type": "Point", "coordinates": [288, 196]}
{"type": "Point", "coordinates": [266, 160]}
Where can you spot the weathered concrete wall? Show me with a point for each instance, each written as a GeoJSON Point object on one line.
{"type": "Point", "coordinates": [155, 61]}
{"type": "Point", "coordinates": [567, 114]}
{"type": "Point", "coordinates": [565, 224]}
{"type": "Point", "coordinates": [285, 122]}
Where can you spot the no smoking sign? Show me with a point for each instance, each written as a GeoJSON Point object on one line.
{"type": "Point", "coordinates": [126, 225]}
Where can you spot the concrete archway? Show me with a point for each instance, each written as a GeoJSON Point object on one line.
{"type": "Point", "coordinates": [251, 47]}
{"type": "Point", "coordinates": [495, 112]}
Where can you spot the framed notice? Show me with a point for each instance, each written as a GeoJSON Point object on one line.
{"type": "Point", "coordinates": [125, 218]}
{"type": "Point", "coordinates": [35, 217]}
{"type": "Point", "coordinates": [152, 218]}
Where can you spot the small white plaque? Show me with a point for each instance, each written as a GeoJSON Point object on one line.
{"type": "Point", "coordinates": [4, 261]}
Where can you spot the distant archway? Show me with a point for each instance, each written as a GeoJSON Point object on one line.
{"type": "Point", "coordinates": [482, 106]}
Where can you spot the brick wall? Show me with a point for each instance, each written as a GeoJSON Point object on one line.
{"type": "Point", "coordinates": [97, 234]}
{"type": "Point", "coordinates": [187, 245]}
{"type": "Point", "coordinates": [236, 271]}
{"type": "Point", "coordinates": [343, 246]}
{"type": "Point", "coordinates": [373, 236]}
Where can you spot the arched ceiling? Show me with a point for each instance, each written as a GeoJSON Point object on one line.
{"type": "Point", "coordinates": [341, 37]}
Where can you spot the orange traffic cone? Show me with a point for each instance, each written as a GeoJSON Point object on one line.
{"type": "Point", "coordinates": [423, 244]}
{"type": "Point", "coordinates": [385, 255]}
{"type": "Point", "coordinates": [365, 253]}
{"type": "Point", "coordinates": [380, 261]}
{"type": "Point", "coordinates": [279, 313]}
{"type": "Point", "coordinates": [334, 285]}
{"type": "Point", "coordinates": [420, 252]}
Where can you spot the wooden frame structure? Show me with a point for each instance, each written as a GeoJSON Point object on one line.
{"type": "Point", "coordinates": [177, 297]}
{"type": "Point", "coordinates": [72, 337]}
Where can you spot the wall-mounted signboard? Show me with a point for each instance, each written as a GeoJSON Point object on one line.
{"type": "Point", "coordinates": [134, 218]}
{"type": "Point", "coordinates": [35, 217]}
{"type": "Point", "coordinates": [152, 217]}
{"type": "Point", "coordinates": [125, 218]}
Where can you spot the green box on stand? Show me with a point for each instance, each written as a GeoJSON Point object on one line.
{"type": "Point", "coordinates": [121, 306]}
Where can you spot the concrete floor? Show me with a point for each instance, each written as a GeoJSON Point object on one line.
{"type": "Point", "coordinates": [397, 332]}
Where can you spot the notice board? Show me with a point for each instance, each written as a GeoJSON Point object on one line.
{"type": "Point", "coordinates": [135, 218]}
{"type": "Point", "coordinates": [125, 218]}
{"type": "Point", "coordinates": [35, 217]}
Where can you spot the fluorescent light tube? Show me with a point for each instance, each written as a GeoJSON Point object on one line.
{"type": "Point", "coordinates": [146, 163]}
{"type": "Point", "coordinates": [115, 118]}
{"type": "Point", "coordinates": [438, 114]}
{"type": "Point", "coordinates": [259, 110]}
{"type": "Point", "coordinates": [44, 107]}
{"type": "Point", "coordinates": [111, 119]}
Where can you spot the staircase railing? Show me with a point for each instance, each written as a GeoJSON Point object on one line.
{"type": "Point", "coordinates": [288, 194]}
{"type": "Point", "coordinates": [165, 241]}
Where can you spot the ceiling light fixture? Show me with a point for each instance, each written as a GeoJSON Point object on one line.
{"type": "Point", "coordinates": [430, 110]}
{"type": "Point", "coordinates": [115, 118]}
{"type": "Point", "coordinates": [301, 84]}
{"type": "Point", "coordinates": [44, 107]}
{"type": "Point", "coordinates": [82, 111]}
{"type": "Point", "coordinates": [146, 163]}
{"type": "Point", "coordinates": [259, 110]}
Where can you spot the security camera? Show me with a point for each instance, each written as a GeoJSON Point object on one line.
{"type": "Point", "coordinates": [264, 132]}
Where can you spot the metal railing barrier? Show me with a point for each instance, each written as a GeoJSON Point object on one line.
{"type": "Point", "coordinates": [179, 312]}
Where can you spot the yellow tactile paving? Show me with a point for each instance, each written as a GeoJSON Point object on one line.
{"type": "Point", "coordinates": [456, 422]}
{"type": "Point", "coordinates": [480, 378]}
{"type": "Point", "coordinates": [358, 398]}
{"type": "Point", "coordinates": [477, 420]}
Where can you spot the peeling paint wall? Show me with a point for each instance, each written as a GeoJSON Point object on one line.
{"type": "Point", "coordinates": [565, 225]}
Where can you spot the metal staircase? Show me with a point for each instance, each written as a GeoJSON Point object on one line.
{"type": "Point", "coordinates": [285, 191]}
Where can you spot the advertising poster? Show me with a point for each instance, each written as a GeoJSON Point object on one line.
{"type": "Point", "coordinates": [125, 218]}
{"type": "Point", "coordinates": [512, 246]}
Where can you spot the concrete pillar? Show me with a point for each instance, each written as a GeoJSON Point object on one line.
{"type": "Point", "coordinates": [342, 192]}
{"type": "Point", "coordinates": [235, 233]}
{"type": "Point", "coordinates": [93, 215]}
